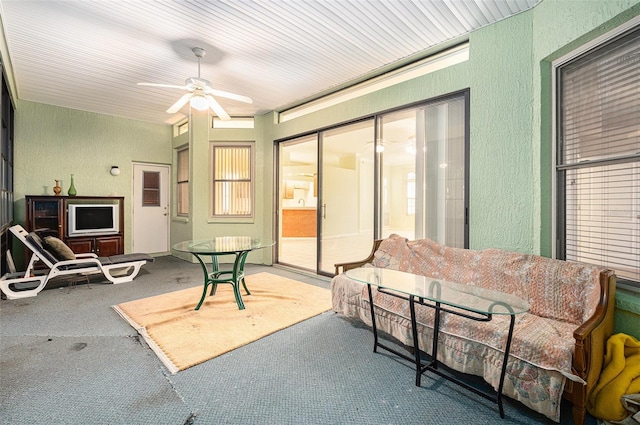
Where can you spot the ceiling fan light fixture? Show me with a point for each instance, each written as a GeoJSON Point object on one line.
{"type": "Point", "coordinates": [199, 102]}
{"type": "Point", "coordinates": [200, 94]}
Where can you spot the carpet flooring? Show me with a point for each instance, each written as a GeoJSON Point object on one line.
{"type": "Point", "coordinates": [66, 357]}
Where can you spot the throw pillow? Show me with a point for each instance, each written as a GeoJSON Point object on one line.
{"type": "Point", "coordinates": [58, 248]}
{"type": "Point", "coordinates": [34, 240]}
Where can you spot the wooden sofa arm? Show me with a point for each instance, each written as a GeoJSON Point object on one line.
{"type": "Point", "coordinates": [343, 267]}
{"type": "Point", "coordinates": [591, 339]}
{"type": "Point", "coordinates": [596, 330]}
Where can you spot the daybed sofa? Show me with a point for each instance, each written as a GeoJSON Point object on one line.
{"type": "Point", "coordinates": [558, 346]}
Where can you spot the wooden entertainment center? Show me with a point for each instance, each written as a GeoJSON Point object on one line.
{"type": "Point", "coordinates": [49, 216]}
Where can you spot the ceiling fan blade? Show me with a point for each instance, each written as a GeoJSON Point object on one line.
{"type": "Point", "coordinates": [171, 86]}
{"type": "Point", "coordinates": [179, 104]}
{"type": "Point", "coordinates": [228, 95]}
{"type": "Point", "coordinates": [218, 109]}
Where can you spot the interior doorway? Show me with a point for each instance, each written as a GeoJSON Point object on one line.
{"type": "Point", "coordinates": [151, 208]}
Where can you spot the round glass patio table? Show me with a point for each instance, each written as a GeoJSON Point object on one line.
{"type": "Point", "coordinates": [239, 246]}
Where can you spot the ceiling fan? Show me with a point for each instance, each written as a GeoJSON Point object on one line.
{"type": "Point", "coordinates": [201, 95]}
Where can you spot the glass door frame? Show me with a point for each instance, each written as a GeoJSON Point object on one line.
{"type": "Point", "coordinates": [356, 238]}
{"type": "Point", "coordinates": [377, 195]}
{"type": "Point", "coordinates": [278, 191]}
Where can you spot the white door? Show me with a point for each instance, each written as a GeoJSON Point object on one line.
{"type": "Point", "coordinates": [151, 208]}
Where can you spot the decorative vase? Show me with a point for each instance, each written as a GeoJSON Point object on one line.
{"type": "Point", "coordinates": [72, 188]}
{"type": "Point", "coordinates": [57, 189]}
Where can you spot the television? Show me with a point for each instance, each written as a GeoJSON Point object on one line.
{"type": "Point", "coordinates": [93, 219]}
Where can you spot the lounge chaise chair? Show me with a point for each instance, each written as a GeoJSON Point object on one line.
{"type": "Point", "coordinates": [116, 269]}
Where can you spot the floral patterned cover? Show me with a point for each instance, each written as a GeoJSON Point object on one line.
{"type": "Point", "coordinates": [562, 295]}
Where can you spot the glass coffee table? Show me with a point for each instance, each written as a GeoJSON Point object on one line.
{"type": "Point", "coordinates": [469, 301]}
{"type": "Point", "coordinates": [240, 246]}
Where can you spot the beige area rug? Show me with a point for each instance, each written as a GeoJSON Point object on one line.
{"type": "Point", "coordinates": [183, 337]}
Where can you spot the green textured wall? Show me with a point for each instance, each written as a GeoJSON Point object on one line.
{"type": "Point", "coordinates": [510, 159]}
{"type": "Point", "coordinates": [627, 316]}
{"type": "Point", "coordinates": [52, 143]}
{"type": "Point", "coordinates": [511, 164]}
{"type": "Point", "coordinates": [508, 74]}
{"type": "Point", "coordinates": [561, 27]}
{"type": "Point", "coordinates": [502, 188]}
{"type": "Point", "coordinates": [200, 225]}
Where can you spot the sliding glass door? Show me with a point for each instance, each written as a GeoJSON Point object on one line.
{"type": "Point", "coordinates": [422, 161]}
{"type": "Point", "coordinates": [404, 172]}
{"type": "Point", "coordinates": [298, 201]}
{"type": "Point", "coordinates": [346, 194]}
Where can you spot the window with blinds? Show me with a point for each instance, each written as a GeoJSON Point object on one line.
{"type": "Point", "coordinates": [232, 184]}
{"type": "Point", "coordinates": [598, 164]}
{"type": "Point", "coordinates": [182, 182]}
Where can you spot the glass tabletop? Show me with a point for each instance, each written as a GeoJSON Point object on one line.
{"type": "Point", "coordinates": [467, 297]}
{"type": "Point", "coordinates": [223, 245]}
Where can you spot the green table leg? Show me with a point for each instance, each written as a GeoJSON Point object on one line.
{"type": "Point", "coordinates": [214, 278]}
{"type": "Point", "coordinates": [206, 279]}
{"type": "Point", "coordinates": [215, 273]}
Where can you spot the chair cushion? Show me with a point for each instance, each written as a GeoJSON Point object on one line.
{"type": "Point", "coordinates": [125, 258]}
{"type": "Point", "coordinates": [59, 249]}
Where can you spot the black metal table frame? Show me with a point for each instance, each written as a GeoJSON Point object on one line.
{"type": "Point", "coordinates": [432, 366]}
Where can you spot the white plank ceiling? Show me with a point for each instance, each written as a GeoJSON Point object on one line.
{"type": "Point", "coordinates": [89, 55]}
